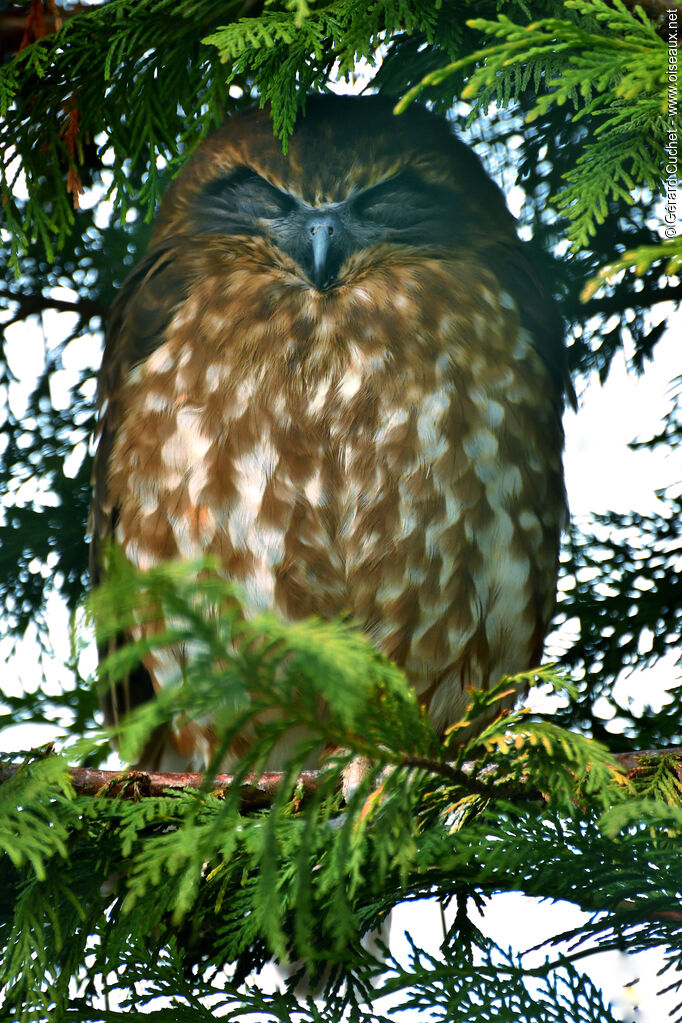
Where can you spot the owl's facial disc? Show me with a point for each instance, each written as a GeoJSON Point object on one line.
{"type": "Point", "coordinates": [403, 210]}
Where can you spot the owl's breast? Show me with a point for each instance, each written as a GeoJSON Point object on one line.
{"type": "Point", "coordinates": [390, 450]}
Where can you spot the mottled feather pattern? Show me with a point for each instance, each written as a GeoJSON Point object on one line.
{"type": "Point", "coordinates": [386, 447]}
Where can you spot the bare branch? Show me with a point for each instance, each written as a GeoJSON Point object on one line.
{"type": "Point", "coordinates": [256, 791]}
{"type": "Point", "coordinates": [32, 304]}
{"type": "Point", "coordinates": [259, 791]}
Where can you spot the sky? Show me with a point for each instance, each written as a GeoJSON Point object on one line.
{"type": "Point", "coordinates": [602, 473]}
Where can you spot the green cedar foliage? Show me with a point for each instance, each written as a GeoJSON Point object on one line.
{"type": "Point", "coordinates": [141, 897]}
{"type": "Point", "coordinates": [137, 899]}
{"type": "Point", "coordinates": [611, 65]}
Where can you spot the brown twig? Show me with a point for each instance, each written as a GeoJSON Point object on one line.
{"type": "Point", "coordinates": [87, 781]}
{"type": "Point", "coordinates": [463, 777]}
{"type": "Point", "coordinates": [259, 791]}
{"type": "Point", "coordinates": [631, 762]}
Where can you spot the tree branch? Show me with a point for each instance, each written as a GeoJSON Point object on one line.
{"type": "Point", "coordinates": [32, 304]}
{"type": "Point", "coordinates": [260, 791]}
{"type": "Point", "coordinates": [614, 303]}
{"type": "Point", "coordinates": [256, 791]}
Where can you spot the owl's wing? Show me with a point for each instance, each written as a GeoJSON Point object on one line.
{"type": "Point", "coordinates": [139, 317]}
{"type": "Point", "coordinates": [525, 281]}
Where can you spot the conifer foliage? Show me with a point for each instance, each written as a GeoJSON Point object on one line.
{"type": "Point", "coordinates": [163, 906]}
{"type": "Point", "coordinates": [183, 895]}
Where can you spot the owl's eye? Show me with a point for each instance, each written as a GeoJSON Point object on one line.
{"type": "Point", "coordinates": [257, 196]}
{"type": "Point", "coordinates": [402, 202]}
{"type": "Point", "coordinates": [239, 203]}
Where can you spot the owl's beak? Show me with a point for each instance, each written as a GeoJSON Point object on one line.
{"type": "Point", "coordinates": [321, 229]}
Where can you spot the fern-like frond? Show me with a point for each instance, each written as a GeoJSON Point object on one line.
{"type": "Point", "coordinates": [640, 261]}
{"type": "Point", "coordinates": [606, 61]}
{"type": "Point", "coordinates": [28, 832]}
{"type": "Point", "coordinates": [192, 882]}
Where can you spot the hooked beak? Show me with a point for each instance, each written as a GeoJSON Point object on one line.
{"type": "Point", "coordinates": [321, 230]}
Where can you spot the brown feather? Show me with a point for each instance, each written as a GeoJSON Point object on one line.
{"type": "Point", "coordinates": [388, 446]}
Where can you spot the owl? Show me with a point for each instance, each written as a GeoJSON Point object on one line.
{"type": "Point", "coordinates": [337, 372]}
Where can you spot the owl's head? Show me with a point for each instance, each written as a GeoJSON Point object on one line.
{"type": "Point", "coordinates": [355, 176]}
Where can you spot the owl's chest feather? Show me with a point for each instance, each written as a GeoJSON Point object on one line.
{"type": "Point", "coordinates": [401, 466]}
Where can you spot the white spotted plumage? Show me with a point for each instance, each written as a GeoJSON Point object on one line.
{"type": "Point", "coordinates": [384, 445]}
